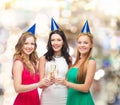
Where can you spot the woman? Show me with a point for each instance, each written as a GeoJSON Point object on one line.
{"type": "Point", "coordinates": [81, 74]}
{"type": "Point", "coordinates": [25, 73]}
{"type": "Point", "coordinates": [55, 63]}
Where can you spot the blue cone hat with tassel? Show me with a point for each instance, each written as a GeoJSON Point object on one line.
{"type": "Point", "coordinates": [85, 28]}
{"type": "Point", "coordinates": [54, 25]}
{"type": "Point", "coordinates": [32, 29]}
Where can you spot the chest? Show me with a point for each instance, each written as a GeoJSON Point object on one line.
{"type": "Point", "coordinates": [27, 77]}
{"type": "Point", "coordinates": [72, 75]}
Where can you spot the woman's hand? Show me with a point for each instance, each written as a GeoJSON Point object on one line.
{"type": "Point", "coordinates": [52, 80]}
{"type": "Point", "coordinates": [45, 82]}
{"type": "Point", "coordinates": [61, 81]}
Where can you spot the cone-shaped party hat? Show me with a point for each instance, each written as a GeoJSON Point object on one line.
{"type": "Point", "coordinates": [54, 25]}
{"type": "Point", "coordinates": [85, 28]}
{"type": "Point", "coordinates": [32, 29]}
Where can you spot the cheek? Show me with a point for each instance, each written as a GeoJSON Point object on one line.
{"type": "Point", "coordinates": [78, 45]}
{"type": "Point", "coordinates": [32, 46]}
{"type": "Point", "coordinates": [35, 47]}
{"type": "Point", "coordinates": [23, 48]}
{"type": "Point", "coordinates": [91, 46]}
{"type": "Point", "coordinates": [52, 43]}
{"type": "Point", "coordinates": [62, 44]}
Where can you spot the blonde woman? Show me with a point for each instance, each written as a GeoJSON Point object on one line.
{"type": "Point", "coordinates": [25, 73]}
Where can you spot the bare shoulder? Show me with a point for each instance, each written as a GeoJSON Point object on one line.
{"type": "Point", "coordinates": [92, 61]}
{"type": "Point", "coordinates": [18, 63]}
{"type": "Point", "coordinates": [42, 59]}
{"type": "Point", "coordinates": [92, 64]}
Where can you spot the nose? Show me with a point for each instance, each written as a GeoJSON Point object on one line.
{"type": "Point", "coordinates": [29, 45]}
{"type": "Point", "coordinates": [55, 42]}
{"type": "Point", "coordinates": [81, 44]}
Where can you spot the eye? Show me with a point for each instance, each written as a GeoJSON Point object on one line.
{"type": "Point", "coordinates": [52, 39]}
{"type": "Point", "coordinates": [25, 43]}
{"type": "Point", "coordinates": [86, 42]}
{"type": "Point", "coordinates": [32, 43]}
{"type": "Point", "coordinates": [59, 39]}
{"type": "Point", "coordinates": [79, 42]}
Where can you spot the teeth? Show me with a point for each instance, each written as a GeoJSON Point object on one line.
{"type": "Point", "coordinates": [28, 50]}
{"type": "Point", "coordinates": [82, 49]}
{"type": "Point", "coordinates": [56, 47]}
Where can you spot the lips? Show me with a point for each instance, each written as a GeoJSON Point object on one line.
{"type": "Point", "coordinates": [55, 47]}
{"type": "Point", "coordinates": [82, 49]}
{"type": "Point", "coordinates": [29, 50]}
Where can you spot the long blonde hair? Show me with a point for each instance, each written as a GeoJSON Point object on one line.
{"type": "Point", "coordinates": [83, 67]}
{"type": "Point", "coordinates": [19, 53]}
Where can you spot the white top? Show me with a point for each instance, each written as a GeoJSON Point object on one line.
{"type": "Point", "coordinates": [55, 94]}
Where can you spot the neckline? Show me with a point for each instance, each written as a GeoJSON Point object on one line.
{"type": "Point", "coordinates": [57, 56]}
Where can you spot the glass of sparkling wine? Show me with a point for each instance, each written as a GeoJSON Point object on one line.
{"type": "Point", "coordinates": [54, 70]}
{"type": "Point", "coordinates": [48, 73]}
{"type": "Point", "coordinates": [53, 67]}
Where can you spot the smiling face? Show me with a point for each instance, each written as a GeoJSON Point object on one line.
{"type": "Point", "coordinates": [84, 44]}
{"type": "Point", "coordinates": [57, 43]}
{"type": "Point", "coordinates": [29, 45]}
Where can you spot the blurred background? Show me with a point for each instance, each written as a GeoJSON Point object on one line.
{"type": "Point", "coordinates": [16, 16]}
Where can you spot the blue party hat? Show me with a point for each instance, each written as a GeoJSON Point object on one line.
{"type": "Point", "coordinates": [32, 29]}
{"type": "Point", "coordinates": [85, 28]}
{"type": "Point", "coordinates": [54, 25]}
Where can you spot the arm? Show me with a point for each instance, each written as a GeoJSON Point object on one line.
{"type": "Point", "coordinates": [17, 76]}
{"type": "Point", "coordinates": [41, 67]}
{"type": "Point", "coordinates": [88, 81]}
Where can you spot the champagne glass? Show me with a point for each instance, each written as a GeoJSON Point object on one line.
{"type": "Point", "coordinates": [54, 70]}
{"type": "Point", "coordinates": [53, 67]}
{"type": "Point", "coordinates": [56, 73]}
{"type": "Point", "coordinates": [47, 74]}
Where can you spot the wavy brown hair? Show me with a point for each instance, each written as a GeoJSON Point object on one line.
{"type": "Point", "coordinates": [83, 67]}
{"type": "Point", "coordinates": [21, 56]}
